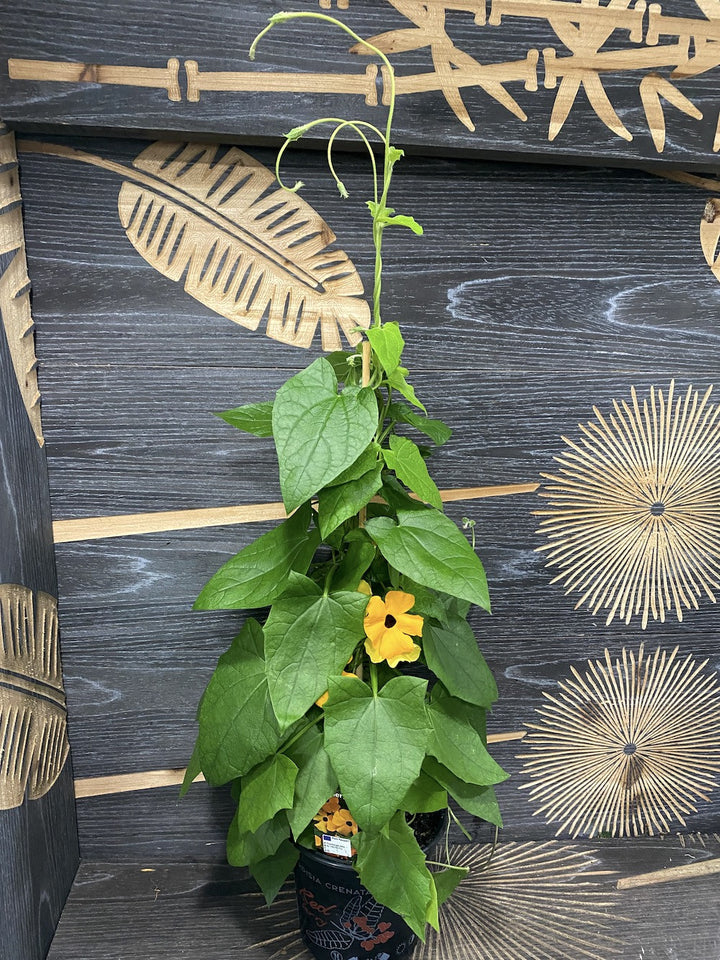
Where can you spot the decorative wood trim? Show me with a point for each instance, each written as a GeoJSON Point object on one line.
{"type": "Point", "coordinates": [625, 747]}
{"type": "Point", "coordinates": [151, 779]}
{"type": "Point", "coordinates": [688, 871]}
{"type": "Point", "coordinates": [33, 718]}
{"type": "Point", "coordinates": [578, 60]}
{"type": "Point", "coordinates": [98, 528]}
{"type": "Point", "coordinates": [218, 221]}
{"type": "Point", "coordinates": [165, 78]}
{"type": "Point", "coordinates": [15, 284]}
{"type": "Point", "coordinates": [634, 513]}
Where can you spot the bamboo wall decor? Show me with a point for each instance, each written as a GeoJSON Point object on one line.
{"type": "Point", "coordinates": [33, 729]}
{"type": "Point", "coordinates": [15, 285]}
{"type": "Point", "coordinates": [244, 247]}
{"type": "Point", "coordinates": [626, 747]}
{"type": "Point", "coordinates": [586, 43]}
{"type": "Point", "coordinates": [633, 517]}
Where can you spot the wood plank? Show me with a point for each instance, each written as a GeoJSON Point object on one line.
{"type": "Point", "coordinates": [536, 78]}
{"type": "Point", "coordinates": [149, 908]}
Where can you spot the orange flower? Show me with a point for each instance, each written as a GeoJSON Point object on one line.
{"type": "Point", "coordinates": [344, 823]}
{"type": "Point", "coordinates": [323, 820]}
{"type": "Point", "coordinates": [390, 628]}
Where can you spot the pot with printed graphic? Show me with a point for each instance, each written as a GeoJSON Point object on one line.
{"type": "Point", "coordinates": [339, 918]}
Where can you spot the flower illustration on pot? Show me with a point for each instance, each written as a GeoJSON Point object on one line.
{"type": "Point", "coordinates": [390, 629]}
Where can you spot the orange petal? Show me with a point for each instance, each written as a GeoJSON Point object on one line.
{"type": "Point", "coordinates": [364, 587]}
{"type": "Point", "coordinates": [409, 656]}
{"type": "Point", "coordinates": [398, 602]}
{"type": "Point", "coordinates": [411, 623]}
{"type": "Point", "coordinates": [322, 700]}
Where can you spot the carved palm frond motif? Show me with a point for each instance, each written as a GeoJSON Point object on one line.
{"type": "Point", "coordinates": [33, 728]}
{"type": "Point", "coordinates": [15, 313]}
{"type": "Point", "coordinates": [520, 902]}
{"type": "Point", "coordinates": [633, 523]}
{"type": "Point", "coordinates": [627, 746]}
{"type": "Point", "coordinates": [244, 247]}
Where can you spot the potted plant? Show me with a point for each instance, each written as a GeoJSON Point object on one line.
{"type": "Point", "coordinates": [358, 705]}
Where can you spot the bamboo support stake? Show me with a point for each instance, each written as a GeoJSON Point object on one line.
{"type": "Point", "coordinates": [689, 871]}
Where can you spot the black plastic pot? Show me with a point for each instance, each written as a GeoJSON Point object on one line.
{"type": "Point", "coordinates": [340, 919]}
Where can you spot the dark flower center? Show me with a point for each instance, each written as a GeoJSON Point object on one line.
{"type": "Point", "coordinates": [390, 621]}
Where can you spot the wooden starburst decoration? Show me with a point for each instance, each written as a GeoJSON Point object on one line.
{"type": "Point", "coordinates": [523, 901]}
{"type": "Point", "coordinates": [633, 522]}
{"type": "Point", "coordinates": [627, 746]}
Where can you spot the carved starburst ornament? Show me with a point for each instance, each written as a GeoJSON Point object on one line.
{"type": "Point", "coordinates": [626, 747]}
{"type": "Point", "coordinates": [524, 901]}
{"type": "Point", "coordinates": [633, 517]}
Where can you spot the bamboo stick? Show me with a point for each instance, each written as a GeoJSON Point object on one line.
{"type": "Point", "coordinates": [135, 524]}
{"type": "Point", "coordinates": [688, 871]}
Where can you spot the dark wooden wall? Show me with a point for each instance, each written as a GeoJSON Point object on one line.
{"type": "Point", "coordinates": [535, 294]}
{"type": "Point", "coordinates": [540, 293]}
{"type": "Point", "coordinates": [38, 834]}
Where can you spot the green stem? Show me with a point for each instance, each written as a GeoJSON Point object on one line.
{"type": "Point", "coordinates": [385, 139]}
{"type": "Point", "coordinates": [296, 737]}
{"type": "Point", "coordinates": [374, 678]}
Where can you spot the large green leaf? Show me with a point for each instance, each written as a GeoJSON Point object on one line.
{"type": "Point", "coordinates": [245, 847]}
{"type": "Point", "coordinates": [455, 741]}
{"type": "Point", "coordinates": [438, 431]}
{"type": "Point", "coordinates": [387, 343]}
{"type": "Point", "coordinates": [316, 780]}
{"type": "Point", "coordinates": [405, 460]}
{"type": "Point", "coordinates": [392, 867]}
{"type": "Point", "coordinates": [255, 418]}
{"type": "Point", "coordinates": [318, 432]}
{"type": "Point", "coordinates": [309, 636]}
{"type": "Point", "coordinates": [273, 871]}
{"type": "Point", "coordinates": [453, 655]}
{"type": "Point", "coordinates": [237, 726]}
{"type": "Point", "coordinates": [258, 574]}
{"type": "Point", "coordinates": [479, 801]}
{"type": "Point", "coordinates": [269, 787]}
{"type": "Point", "coordinates": [337, 504]}
{"type": "Point", "coordinates": [376, 744]}
{"type": "Point", "coordinates": [427, 546]}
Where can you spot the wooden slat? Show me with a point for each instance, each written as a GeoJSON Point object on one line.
{"type": "Point", "coordinates": [688, 871]}
{"type": "Point", "coordinates": [151, 779]}
{"type": "Point", "coordinates": [96, 528]}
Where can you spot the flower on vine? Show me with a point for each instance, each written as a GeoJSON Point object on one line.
{"type": "Point", "coordinates": [322, 700]}
{"type": "Point", "coordinates": [389, 628]}
{"type": "Point", "coordinates": [323, 819]}
{"type": "Point", "coordinates": [343, 823]}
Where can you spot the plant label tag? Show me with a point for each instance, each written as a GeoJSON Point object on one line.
{"type": "Point", "coordinates": [336, 846]}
